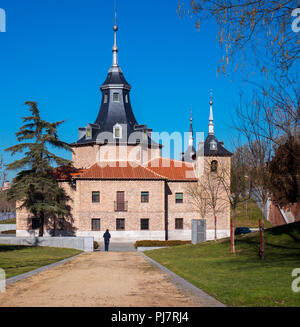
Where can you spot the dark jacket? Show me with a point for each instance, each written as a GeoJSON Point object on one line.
{"type": "Point", "coordinates": [106, 236]}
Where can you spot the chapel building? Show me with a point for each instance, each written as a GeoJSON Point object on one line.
{"type": "Point", "coordinates": [122, 183]}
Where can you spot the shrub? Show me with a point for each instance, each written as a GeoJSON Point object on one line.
{"type": "Point", "coordinates": [8, 232]}
{"type": "Point", "coordinates": [96, 245]}
{"type": "Point", "coordinates": [160, 243]}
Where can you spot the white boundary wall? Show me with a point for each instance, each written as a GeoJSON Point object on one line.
{"type": "Point", "coordinates": [132, 236]}
{"type": "Point", "coordinates": [79, 243]}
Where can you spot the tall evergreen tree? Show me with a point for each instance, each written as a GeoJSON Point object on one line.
{"type": "Point", "coordinates": [284, 171]}
{"type": "Point", "coordinates": [35, 186]}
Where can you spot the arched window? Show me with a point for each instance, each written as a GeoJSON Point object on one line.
{"type": "Point", "coordinates": [213, 145]}
{"type": "Point", "coordinates": [214, 166]}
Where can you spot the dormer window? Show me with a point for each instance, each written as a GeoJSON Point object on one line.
{"type": "Point", "coordinates": [116, 97]}
{"type": "Point", "coordinates": [117, 131]}
{"type": "Point", "coordinates": [88, 134]}
{"type": "Point", "coordinates": [213, 145]}
{"type": "Point", "coordinates": [126, 98]}
{"type": "Point", "coordinates": [105, 98]}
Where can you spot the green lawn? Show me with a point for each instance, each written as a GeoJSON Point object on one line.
{"type": "Point", "coordinates": [248, 214]}
{"type": "Point", "coordinates": [241, 279]}
{"type": "Point", "coordinates": [8, 221]}
{"type": "Point", "coordinates": [15, 259]}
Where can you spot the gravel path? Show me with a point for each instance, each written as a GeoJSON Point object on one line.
{"type": "Point", "coordinates": [99, 279]}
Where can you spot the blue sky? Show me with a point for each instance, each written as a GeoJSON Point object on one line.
{"type": "Point", "coordinates": [58, 53]}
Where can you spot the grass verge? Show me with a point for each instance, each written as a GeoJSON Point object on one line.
{"type": "Point", "coordinates": [16, 259]}
{"type": "Point", "coordinates": [241, 279]}
{"type": "Point", "coordinates": [248, 215]}
{"type": "Point", "coordinates": [8, 221]}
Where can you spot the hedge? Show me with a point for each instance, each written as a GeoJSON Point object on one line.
{"type": "Point", "coordinates": [160, 243]}
{"type": "Point", "coordinates": [8, 232]}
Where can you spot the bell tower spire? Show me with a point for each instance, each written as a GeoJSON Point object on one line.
{"type": "Point", "coordinates": [115, 66]}
{"type": "Point", "coordinates": [211, 117]}
{"type": "Point", "coordinates": [191, 138]}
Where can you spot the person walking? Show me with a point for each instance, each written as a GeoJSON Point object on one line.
{"type": "Point", "coordinates": [106, 237]}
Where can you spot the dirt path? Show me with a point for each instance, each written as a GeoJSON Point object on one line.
{"type": "Point", "coordinates": [98, 279]}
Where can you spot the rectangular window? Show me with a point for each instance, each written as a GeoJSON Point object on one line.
{"type": "Point", "coordinates": [178, 197]}
{"type": "Point", "coordinates": [120, 224]}
{"type": "Point", "coordinates": [144, 224]}
{"type": "Point", "coordinates": [95, 224]}
{"type": "Point", "coordinates": [116, 97]}
{"type": "Point", "coordinates": [88, 133]}
{"type": "Point", "coordinates": [144, 196]}
{"type": "Point", "coordinates": [35, 223]}
{"type": "Point", "coordinates": [117, 132]}
{"type": "Point", "coordinates": [178, 223]}
{"type": "Point", "coordinates": [95, 196]}
{"type": "Point", "coordinates": [120, 203]}
{"type": "Point", "coordinates": [105, 98]}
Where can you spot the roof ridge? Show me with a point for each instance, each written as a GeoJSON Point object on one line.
{"type": "Point", "coordinates": [155, 173]}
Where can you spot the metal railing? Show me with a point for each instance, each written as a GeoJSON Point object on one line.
{"type": "Point", "coordinates": [121, 206]}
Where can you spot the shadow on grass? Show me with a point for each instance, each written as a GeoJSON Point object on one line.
{"type": "Point", "coordinates": [6, 248]}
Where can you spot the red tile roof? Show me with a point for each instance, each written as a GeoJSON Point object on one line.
{"type": "Point", "coordinates": [172, 169]}
{"type": "Point", "coordinates": [158, 169]}
{"type": "Point", "coordinates": [118, 170]}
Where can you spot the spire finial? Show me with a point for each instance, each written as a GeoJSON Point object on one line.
{"type": "Point", "coordinates": [211, 117]}
{"type": "Point", "coordinates": [115, 65]}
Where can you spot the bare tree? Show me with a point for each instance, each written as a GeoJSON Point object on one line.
{"type": "Point", "coordinates": [198, 197]}
{"type": "Point", "coordinates": [273, 110]}
{"type": "Point", "coordinates": [234, 182]}
{"type": "Point", "coordinates": [261, 28]}
{"type": "Point", "coordinates": [208, 194]}
{"type": "Point", "coordinates": [258, 154]}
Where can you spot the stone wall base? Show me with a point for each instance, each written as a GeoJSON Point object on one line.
{"type": "Point", "coordinates": [132, 236]}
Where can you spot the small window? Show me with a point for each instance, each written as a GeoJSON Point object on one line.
{"type": "Point", "coordinates": [144, 197]}
{"type": "Point", "coordinates": [88, 133]}
{"type": "Point", "coordinates": [61, 223]}
{"type": "Point", "coordinates": [179, 197]}
{"type": "Point", "coordinates": [120, 224]}
{"type": "Point", "coordinates": [116, 97]}
{"type": "Point", "coordinates": [105, 98]}
{"type": "Point", "coordinates": [126, 98]}
{"type": "Point", "coordinates": [117, 131]}
{"type": "Point", "coordinates": [178, 223]}
{"type": "Point", "coordinates": [144, 224]}
{"type": "Point", "coordinates": [95, 224]}
{"type": "Point", "coordinates": [95, 196]}
{"type": "Point", "coordinates": [214, 166]}
{"type": "Point", "coordinates": [35, 223]}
